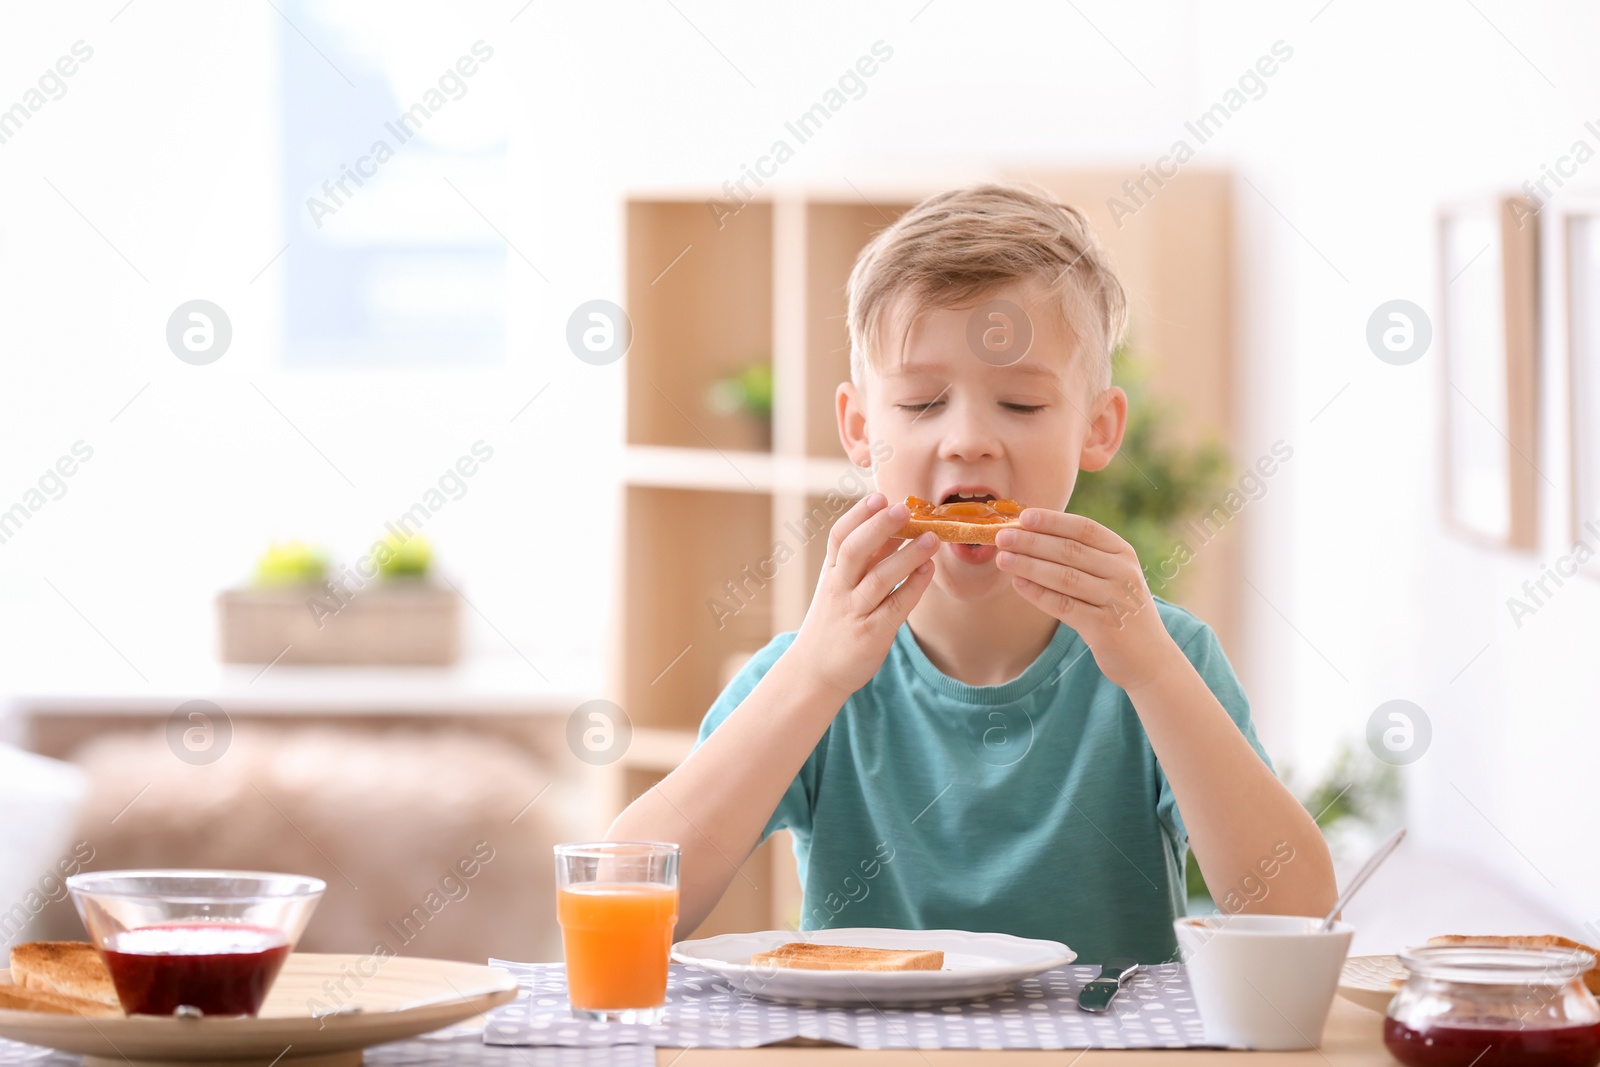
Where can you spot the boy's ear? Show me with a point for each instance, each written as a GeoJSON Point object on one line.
{"type": "Point", "coordinates": [1108, 420]}
{"type": "Point", "coordinates": [851, 408]}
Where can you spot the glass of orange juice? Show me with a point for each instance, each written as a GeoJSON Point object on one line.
{"type": "Point", "coordinates": [617, 902]}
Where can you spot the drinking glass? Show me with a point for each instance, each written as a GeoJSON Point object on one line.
{"type": "Point", "coordinates": [617, 903]}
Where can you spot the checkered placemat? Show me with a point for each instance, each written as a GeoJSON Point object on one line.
{"type": "Point", "coordinates": [1155, 1010]}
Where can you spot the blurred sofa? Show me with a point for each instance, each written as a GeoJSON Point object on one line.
{"type": "Point", "coordinates": [391, 816]}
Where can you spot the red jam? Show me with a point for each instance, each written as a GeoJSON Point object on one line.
{"type": "Point", "coordinates": [1461, 1046]}
{"type": "Point", "coordinates": [220, 968]}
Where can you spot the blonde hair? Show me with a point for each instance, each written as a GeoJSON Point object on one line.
{"type": "Point", "coordinates": [956, 247]}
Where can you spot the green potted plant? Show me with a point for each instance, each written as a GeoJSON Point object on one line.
{"type": "Point", "coordinates": [381, 609]}
{"type": "Point", "coordinates": [1356, 797]}
{"type": "Point", "coordinates": [746, 391]}
{"type": "Point", "coordinates": [1154, 485]}
{"type": "Point", "coordinates": [290, 563]}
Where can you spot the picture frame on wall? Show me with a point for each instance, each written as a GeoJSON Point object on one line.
{"type": "Point", "coordinates": [1580, 230]}
{"type": "Point", "coordinates": [1489, 341]}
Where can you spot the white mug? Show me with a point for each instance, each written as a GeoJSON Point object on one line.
{"type": "Point", "coordinates": [1263, 981]}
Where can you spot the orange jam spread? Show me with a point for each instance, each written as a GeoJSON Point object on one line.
{"type": "Point", "coordinates": [974, 511]}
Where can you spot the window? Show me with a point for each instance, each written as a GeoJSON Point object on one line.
{"type": "Point", "coordinates": [394, 161]}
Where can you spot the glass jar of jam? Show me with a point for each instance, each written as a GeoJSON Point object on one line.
{"type": "Point", "coordinates": [1487, 1006]}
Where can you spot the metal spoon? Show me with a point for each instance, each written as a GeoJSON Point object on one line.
{"type": "Point", "coordinates": [1360, 879]}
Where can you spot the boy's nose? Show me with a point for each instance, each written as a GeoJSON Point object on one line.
{"type": "Point", "coordinates": [969, 434]}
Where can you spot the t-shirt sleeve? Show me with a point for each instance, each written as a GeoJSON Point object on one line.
{"type": "Point", "coordinates": [1205, 652]}
{"type": "Point", "coordinates": [794, 808]}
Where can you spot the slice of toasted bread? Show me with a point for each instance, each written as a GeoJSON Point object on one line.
{"type": "Point", "coordinates": [962, 533]}
{"type": "Point", "coordinates": [15, 998]}
{"type": "Point", "coordinates": [809, 957]}
{"type": "Point", "coordinates": [1591, 978]}
{"type": "Point", "coordinates": [68, 968]}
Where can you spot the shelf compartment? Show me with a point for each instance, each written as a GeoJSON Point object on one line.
{"type": "Point", "coordinates": [835, 233]}
{"type": "Point", "coordinates": [700, 301]}
{"type": "Point", "coordinates": [680, 621]}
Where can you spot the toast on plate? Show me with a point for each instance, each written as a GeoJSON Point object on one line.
{"type": "Point", "coordinates": [810, 957]}
{"type": "Point", "coordinates": [71, 969]}
{"type": "Point", "coordinates": [16, 998]}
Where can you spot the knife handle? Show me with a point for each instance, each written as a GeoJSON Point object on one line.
{"type": "Point", "coordinates": [1096, 996]}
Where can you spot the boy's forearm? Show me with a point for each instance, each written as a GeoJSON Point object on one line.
{"type": "Point", "coordinates": [1236, 810]}
{"type": "Point", "coordinates": [717, 802]}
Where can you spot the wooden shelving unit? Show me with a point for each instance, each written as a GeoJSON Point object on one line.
{"type": "Point", "coordinates": [767, 284]}
{"type": "Point", "coordinates": [707, 495]}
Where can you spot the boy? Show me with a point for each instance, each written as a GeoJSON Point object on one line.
{"type": "Point", "coordinates": [1018, 737]}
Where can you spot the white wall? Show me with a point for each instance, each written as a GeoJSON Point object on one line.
{"type": "Point", "coordinates": [166, 142]}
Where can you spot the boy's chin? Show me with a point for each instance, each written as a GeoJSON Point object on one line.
{"type": "Point", "coordinates": [969, 575]}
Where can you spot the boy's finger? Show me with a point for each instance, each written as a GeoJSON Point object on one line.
{"type": "Point", "coordinates": [862, 543]}
{"type": "Point", "coordinates": [1071, 581]}
{"type": "Point", "coordinates": [1066, 524]}
{"type": "Point", "coordinates": [1051, 601]}
{"type": "Point", "coordinates": [1068, 551]}
{"type": "Point", "coordinates": [888, 573]}
{"type": "Point", "coordinates": [845, 524]}
{"type": "Point", "coordinates": [888, 548]}
{"type": "Point", "coordinates": [897, 606]}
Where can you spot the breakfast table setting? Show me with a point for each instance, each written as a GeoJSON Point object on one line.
{"type": "Point", "coordinates": [198, 967]}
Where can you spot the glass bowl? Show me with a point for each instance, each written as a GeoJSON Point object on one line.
{"type": "Point", "coordinates": [1491, 1005]}
{"type": "Point", "coordinates": [194, 942]}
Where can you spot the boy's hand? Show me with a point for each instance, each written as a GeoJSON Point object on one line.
{"type": "Point", "coordinates": [856, 609]}
{"type": "Point", "coordinates": [1082, 573]}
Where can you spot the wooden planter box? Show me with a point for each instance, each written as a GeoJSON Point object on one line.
{"type": "Point", "coordinates": [387, 622]}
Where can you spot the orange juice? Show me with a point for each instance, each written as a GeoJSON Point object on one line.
{"type": "Point", "coordinates": [616, 937]}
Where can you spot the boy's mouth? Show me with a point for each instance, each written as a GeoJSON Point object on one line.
{"type": "Point", "coordinates": [970, 552]}
{"type": "Point", "coordinates": [967, 492]}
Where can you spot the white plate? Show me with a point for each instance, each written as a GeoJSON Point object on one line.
{"type": "Point", "coordinates": [975, 965]}
{"type": "Point", "coordinates": [1366, 980]}
{"type": "Point", "coordinates": [400, 997]}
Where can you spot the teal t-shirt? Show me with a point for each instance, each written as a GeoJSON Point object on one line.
{"type": "Point", "coordinates": [1034, 808]}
